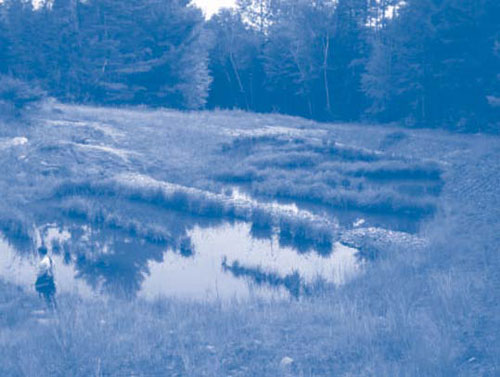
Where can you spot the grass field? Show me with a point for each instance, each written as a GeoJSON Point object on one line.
{"type": "Point", "coordinates": [425, 305]}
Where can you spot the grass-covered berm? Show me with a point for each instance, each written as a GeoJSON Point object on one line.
{"type": "Point", "coordinates": [425, 304]}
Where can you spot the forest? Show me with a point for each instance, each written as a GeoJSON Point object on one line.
{"type": "Point", "coordinates": [418, 63]}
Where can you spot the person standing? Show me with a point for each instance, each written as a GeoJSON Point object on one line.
{"type": "Point", "coordinates": [45, 284]}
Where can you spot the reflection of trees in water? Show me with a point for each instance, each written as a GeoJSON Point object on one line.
{"type": "Point", "coordinates": [291, 282]}
{"type": "Point", "coordinates": [116, 261]}
{"type": "Point", "coordinates": [17, 233]}
{"type": "Point", "coordinates": [122, 268]}
{"type": "Point", "coordinates": [112, 242]}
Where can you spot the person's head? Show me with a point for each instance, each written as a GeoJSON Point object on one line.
{"type": "Point", "coordinates": [42, 251]}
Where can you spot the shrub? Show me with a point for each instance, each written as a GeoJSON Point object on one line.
{"type": "Point", "coordinates": [17, 96]}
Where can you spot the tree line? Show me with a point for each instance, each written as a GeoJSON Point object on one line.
{"type": "Point", "coordinates": [432, 63]}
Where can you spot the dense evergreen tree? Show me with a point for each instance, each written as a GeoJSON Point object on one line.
{"type": "Point", "coordinates": [162, 56]}
{"type": "Point", "coordinates": [140, 51]}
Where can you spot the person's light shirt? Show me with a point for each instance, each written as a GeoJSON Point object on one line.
{"type": "Point", "coordinates": [45, 266]}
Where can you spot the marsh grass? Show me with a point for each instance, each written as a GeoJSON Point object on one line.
{"type": "Point", "coordinates": [299, 225]}
{"type": "Point", "coordinates": [333, 174]}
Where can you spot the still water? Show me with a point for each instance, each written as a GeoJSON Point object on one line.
{"type": "Point", "coordinates": [220, 262]}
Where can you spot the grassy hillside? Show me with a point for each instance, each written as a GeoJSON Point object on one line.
{"type": "Point", "coordinates": [426, 304]}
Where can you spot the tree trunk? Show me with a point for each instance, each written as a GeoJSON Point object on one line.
{"type": "Point", "coordinates": [238, 78]}
{"type": "Point", "coordinates": [325, 73]}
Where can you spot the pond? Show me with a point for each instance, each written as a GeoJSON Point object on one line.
{"type": "Point", "coordinates": [225, 260]}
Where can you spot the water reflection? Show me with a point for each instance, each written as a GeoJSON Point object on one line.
{"type": "Point", "coordinates": [221, 261]}
{"type": "Point", "coordinates": [212, 273]}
